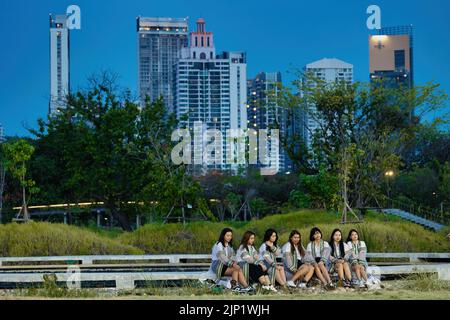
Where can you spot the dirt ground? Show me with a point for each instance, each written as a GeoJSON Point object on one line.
{"type": "Point", "coordinates": [393, 290]}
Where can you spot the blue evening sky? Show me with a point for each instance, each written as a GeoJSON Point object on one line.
{"type": "Point", "coordinates": [277, 35]}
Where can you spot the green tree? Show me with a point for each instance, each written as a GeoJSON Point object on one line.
{"type": "Point", "coordinates": [17, 154]}
{"type": "Point", "coordinates": [110, 149]}
{"type": "Point", "coordinates": [362, 129]}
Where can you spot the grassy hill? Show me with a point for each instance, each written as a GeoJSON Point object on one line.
{"type": "Point", "coordinates": [382, 234]}
{"type": "Point", "coordinates": [46, 239]}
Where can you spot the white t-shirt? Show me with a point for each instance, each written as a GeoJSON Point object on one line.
{"type": "Point", "coordinates": [263, 250]}
{"type": "Point", "coordinates": [317, 247]}
{"type": "Point", "coordinates": [219, 247]}
{"type": "Point", "coordinates": [251, 252]}
{"type": "Point", "coordinates": [338, 249]}
{"type": "Point", "coordinates": [362, 245]}
{"type": "Point", "coordinates": [287, 248]}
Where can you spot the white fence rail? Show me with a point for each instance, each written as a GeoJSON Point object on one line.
{"type": "Point", "coordinates": [183, 258]}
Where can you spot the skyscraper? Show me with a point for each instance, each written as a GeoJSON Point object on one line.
{"type": "Point", "coordinates": [59, 62]}
{"type": "Point", "coordinates": [391, 56]}
{"type": "Point", "coordinates": [2, 134]}
{"type": "Point", "coordinates": [328, 70]}
{"type": "Point", "coordinates": [160, 41]}
{"type": "Point", "coordinates": [211, 89]}
{"type": "Point", "coordinates": [262, 113]}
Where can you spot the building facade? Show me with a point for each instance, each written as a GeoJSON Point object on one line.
{"type": "Point", "coordinates": [329, 71]}
{"type": "Point", "coordinates": [2, 134]}
{"type": "Point", "coordinates": [391, 56]}
{"type": "Point", "coordinates": [160, 42]}
{"type": "Point", "coordinates": [264, 113]}
{"type": "Point", "coordinates": [59, 62]}
{"type": "Point", "coordinates": [212, 90]}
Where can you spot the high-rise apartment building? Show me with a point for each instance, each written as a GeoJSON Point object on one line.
{"type": "Point", "coordinates": [59, 62]}
{"type": "Point", "coordinates": [160, 42]}
{"type": "Point", "coordinates": [391, 56]}
{"type": "Point", "coordinates": [212, 90]}
{"type": "Point", "coordinates": [2, 134]}
{"type": "Point", "coordinates": [264, 113]}
{"type": "Point", "coordinates": [329, 71]}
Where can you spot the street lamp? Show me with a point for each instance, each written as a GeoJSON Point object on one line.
{"type": "Point", "coordinates": [388, 174]}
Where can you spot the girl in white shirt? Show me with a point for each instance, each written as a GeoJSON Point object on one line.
{"type": "Point", "coordinates": [320, 252]}
{"type": "Point", "coordinates": [269, 251]}
{"type": "Point", "coordinates": [224, 264]}
{"type": "Point", "coordinates": [297, 264]}
{"type": "Point", "coordinates": [358, 258]}
{"type": "Point", "coordinates": [252, 265]}
{"type": "Point", "coordinates": [340, 257]}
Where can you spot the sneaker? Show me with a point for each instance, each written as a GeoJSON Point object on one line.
{"type": "Point", "coordinates": [291, 284]}
{"type": "Point", "coordinates": [248, 289]}
{"type": "Point", "coordinates": [362, 284]}
{"type": "Point", "coordinates": [330, 286]}
{"type": "Point", "coordinates": [272, 288]}
{"type": "Point", "coordinates": [301, 285]}
{"type": "Point", "coordinates": [347, 284]}
{"type": "Point", "coordinates": [267, 288]}
{"type": "Point", "coordinates": [237, 289]}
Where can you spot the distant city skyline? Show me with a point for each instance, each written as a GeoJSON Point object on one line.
{"type": "Point", "coordinates": [275, 37]}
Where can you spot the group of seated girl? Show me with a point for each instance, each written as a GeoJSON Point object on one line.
{"type": "Point", "coordinates": [295, 266]}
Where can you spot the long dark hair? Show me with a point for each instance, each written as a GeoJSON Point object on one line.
{"type": "Point", "coordinates": [341, 243]}
{"type": "Point", "coordinates": [222, 237]}
{"type": "Point", "coordinates": [313, 231]}
{"type": "Point", "coordinates": [245, 238]}
{"type": "Point", "coordinates": [349, 238]}
{"type": "Point", "coordinates": [293, 233]}
{"type": "Point", "coordinates": [268, 234]}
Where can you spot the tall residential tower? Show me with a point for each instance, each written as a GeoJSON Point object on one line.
{"type": "Point", "coordinates": [211, 89]}
{"type": "Point", "coordinates": [328, 70]}
{"type": "Point", "coordinates": [59, 62]}
{"type": "Point", "coordinates": [391, 56]}
{"type": "Point", "coordinates": [263, 113]}
{"type": "Point", "coordinates": [160, 41]}
{"type": "Point", "coordinates": [2, 134]}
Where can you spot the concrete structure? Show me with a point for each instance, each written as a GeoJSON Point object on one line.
{"type": "Point", "coordinates": [212, 90]}
{"type": "Point", "coordinates": [416, 219]}
{"type": "Point", "coordinates": [180, 259]}
{"type": "Point", "coordinates": [59, 62]}
{"type": "Point", "coordinates": [262, 113]}
{"type": "Point", "coordinates": [391, 56]}
{"type": "Point", "coordinates": [76, 275]}
{"type": "Point", "coordinates": [160, 41]}
{"type": "Point", "coordinates": [328, 70]}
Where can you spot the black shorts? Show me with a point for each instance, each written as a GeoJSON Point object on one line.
{"type": "Point", "coordinates": [299, 263]}
{"type": "Point", "coordinates": [255, 272]}
{"type": "Point", "coordinates": [224, 269]}
{"type": "Point", "coordinates": [318, 259]}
